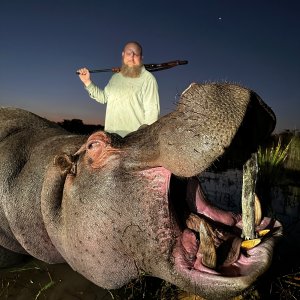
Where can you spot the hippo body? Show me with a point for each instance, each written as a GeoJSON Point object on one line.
{"type": "Point", "coordinates": [112, 207]}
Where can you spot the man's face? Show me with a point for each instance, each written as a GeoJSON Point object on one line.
{"type": "Point", "coordinates": [132, 55]}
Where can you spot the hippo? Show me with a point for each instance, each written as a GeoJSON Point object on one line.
{"type": "Point", "coordinates": [115, 207]}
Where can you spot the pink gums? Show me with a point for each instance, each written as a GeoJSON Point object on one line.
{"type": "Point", "coordinates": [195, 195]}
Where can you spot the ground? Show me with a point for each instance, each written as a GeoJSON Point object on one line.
{"type": "Point", "coordinates": [34, 279]}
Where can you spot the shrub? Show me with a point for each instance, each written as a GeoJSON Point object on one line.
{"type": "Point", "coordinates": [270, 163]}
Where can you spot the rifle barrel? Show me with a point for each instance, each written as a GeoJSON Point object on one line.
{"type": "Point", "coordinates": [149, 67]}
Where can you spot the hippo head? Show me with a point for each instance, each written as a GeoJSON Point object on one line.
{"type": "Point", "coordinates": [118, 207]}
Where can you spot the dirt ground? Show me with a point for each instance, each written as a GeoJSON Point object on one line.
{"type": "Point", "coordinates": [39, 281]}
{"type": "Point", "coordinates": [36, 280]}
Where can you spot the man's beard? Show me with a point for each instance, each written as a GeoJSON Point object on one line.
{"type": "Point", "coordinates": [133, 72]}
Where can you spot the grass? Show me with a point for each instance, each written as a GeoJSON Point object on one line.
{"type": "Point", "coordinates": [271, 162]}
{"type": "Point", "coordinates": [273, 286]}
{"type": "Point", "coordinates": [147, 288]}
{"type": "Point", "coordinates": [271, 171]}
{"type": "Point", "coordinates": [45, 287]}
{"type": "Point", "coordinates": [26, 271]}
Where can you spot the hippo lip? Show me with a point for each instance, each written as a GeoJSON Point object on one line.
{"type": "Point", "coordinates": [224, 229]}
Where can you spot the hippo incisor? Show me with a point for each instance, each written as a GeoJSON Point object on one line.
{"type": "Point", "coordinates": [112, 207]}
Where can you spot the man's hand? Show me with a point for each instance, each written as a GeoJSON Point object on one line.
{"type": "Point", "coordinates": [84, 76]}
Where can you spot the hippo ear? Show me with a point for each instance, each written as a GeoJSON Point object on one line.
{"type": "Point", "coordinates": [64, 162]}
{"type": "Point", "coordinates": [207, 119]}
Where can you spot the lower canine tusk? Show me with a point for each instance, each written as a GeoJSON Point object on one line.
{"type": "Point", "coordinates": [257, 208]}
{"type": "Point", "coordinates": [250, 170]}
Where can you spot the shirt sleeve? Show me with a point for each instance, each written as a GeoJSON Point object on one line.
{"type": "Point", "coordinates": [151, 100]}
{"type": "Point", "coordinates": [96, 93]}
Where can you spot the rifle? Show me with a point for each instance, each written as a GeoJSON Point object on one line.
{"type": "Point", "coordinates": [149, 67]}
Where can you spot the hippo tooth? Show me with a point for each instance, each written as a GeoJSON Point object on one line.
{"type": "Point", "coordinates": [264, 232]}
{"type": "Point", "coordinates": [234, 252]}
{"type": "Point", "coordinates": [258, 213]}
{"type": "Point", "coordinates": [249, 244]}
{"type": "Point", "coordinates": [193, 222]}
{"type": "Point", "coordinates": [250, 170]}
{"type": "Point", "coordinates": [207, 248]}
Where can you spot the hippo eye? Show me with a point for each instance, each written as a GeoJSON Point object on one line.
{"type": "Point", "coordinates": [92, 144]}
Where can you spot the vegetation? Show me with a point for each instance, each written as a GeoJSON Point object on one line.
{"type": "Point", "coordinates": [271, 161]}
{"type": "Point", "coordinates": [78, 127]}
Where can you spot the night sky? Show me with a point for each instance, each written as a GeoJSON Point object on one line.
{"type": "Point", "coordinates": [253, 43]}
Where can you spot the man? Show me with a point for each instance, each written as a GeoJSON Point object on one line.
{"type": "Point", "coordinates": [131, 95]}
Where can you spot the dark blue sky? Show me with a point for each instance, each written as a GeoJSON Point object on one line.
{"type": "Point", "coordinates": [254, 43]}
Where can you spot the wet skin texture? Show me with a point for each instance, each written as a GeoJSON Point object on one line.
{"type": "Point", "coordinates": [113, 207]}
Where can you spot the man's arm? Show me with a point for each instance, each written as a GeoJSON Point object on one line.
{"type": "Point", "coordinates": [151, 101]}
{"type": "Point", "coordinates": [94, 91]}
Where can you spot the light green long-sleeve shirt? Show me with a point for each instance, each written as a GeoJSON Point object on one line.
{"type": "Point", "coordinates": [131, 102]}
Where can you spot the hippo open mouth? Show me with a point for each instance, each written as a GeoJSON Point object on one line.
{"type": "Point", "coordinates": [210, 243]}
{"type": "Point", "coordinates": [212, 240]}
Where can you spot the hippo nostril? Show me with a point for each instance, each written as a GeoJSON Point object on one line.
{"type": "Point", "coordinates": [73, 169]}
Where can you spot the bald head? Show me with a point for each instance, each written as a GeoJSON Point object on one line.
{"type": "Point", "coordinates": [134, 46]}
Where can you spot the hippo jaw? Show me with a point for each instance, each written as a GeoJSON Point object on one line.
{"type": "Point", "coordinates": [235, 270]}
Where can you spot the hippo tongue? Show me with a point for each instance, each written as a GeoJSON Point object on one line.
{"type": "Point", "coordinates": [197, 203]}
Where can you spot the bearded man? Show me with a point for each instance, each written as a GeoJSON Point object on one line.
{"type": "Point", "coordinates": [131, 95]}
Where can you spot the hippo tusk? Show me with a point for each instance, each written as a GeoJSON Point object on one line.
{"type": "Point", "coordinates": [257, 209]}
{"type": "Point", "coordinates": [249, 244]}
{"type": "Point", "coordinates": [207, 248]}
{"type": "Point", "coordinates": [250, 170]}
{"type": "Point", "coordinates": [216, 249]}
{"type": "Point", "coordinates": [263, 232]}
{"type": "Point", "coordinates": [207, 251]}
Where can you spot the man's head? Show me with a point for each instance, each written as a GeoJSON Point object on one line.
{"type": "Point", "coordinates": [132, 59]}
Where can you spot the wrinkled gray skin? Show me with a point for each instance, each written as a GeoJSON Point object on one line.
{"type": "Point", "coordinates": [101, 203]}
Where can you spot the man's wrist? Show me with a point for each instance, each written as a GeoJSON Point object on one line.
{"type": "Point", "coordinates": [87, 83]}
